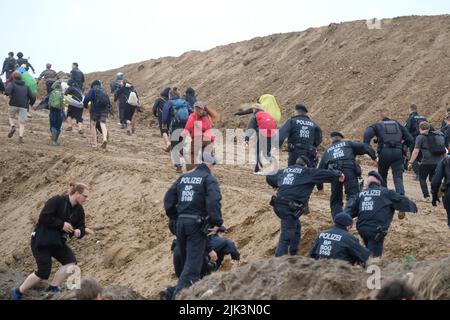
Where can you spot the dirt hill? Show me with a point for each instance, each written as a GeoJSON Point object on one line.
{"type": "Point", "coordinates": [343, 72]}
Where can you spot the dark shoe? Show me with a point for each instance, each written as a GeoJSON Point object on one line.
{"type": "Point", "coordinates": [104, 144]}
{"type": "Point", "coordinates": [16, 294]}
{"type": "Point", "coordinates": [54, 135]}
{"type": "Point", "coordinates": [69, 129]}
{"type": "Point", "coordinates": [122, 126]}
{"type": "Point", "coordinates": [179, 170]}
{"type": "Point", "coordinates": [128, 133]}
{"type": "Point", "coordinates": [167, 149]}
{"type": "Point", "coordinates": [21, 140]}
{"type": "Point", "coordinates": [81, 131]}
{"type": "Point", "coordinates": [11, 131]}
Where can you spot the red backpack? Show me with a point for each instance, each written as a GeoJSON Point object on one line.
{"type": "Point", "coordinates": [266, 124]}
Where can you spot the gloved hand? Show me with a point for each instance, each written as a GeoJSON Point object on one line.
{"type": "Point", "coordinates": [435, 200]}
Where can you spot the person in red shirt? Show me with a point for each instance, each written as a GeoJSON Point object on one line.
{"type": "Point", "coordinates": [199, 126]}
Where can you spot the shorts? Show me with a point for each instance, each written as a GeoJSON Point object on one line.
{"type": "Point", "coordinates": [99, 117]}
{"type": "Point", "coordinates": [18, 113]}
{"type": "Point", "coordinates": [75, 113]}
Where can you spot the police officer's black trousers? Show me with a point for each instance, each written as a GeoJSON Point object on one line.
{"type": "Point", "coordinates": [290, 233]}
{"type": "Point", "coordinates": [426, 171]}
{"type": "Point", "coordinates": [351, 186]}
{"type": "Point", "coordinates": [392, 158]}
{"type": "Point", "coordinates": [375, 247]}
{"type": "Point", "coordinates": [446, 202]}
{"type": "Point", "coordinates": [192, 245]}
{"type": "Point", "coordinates": [294, 155]}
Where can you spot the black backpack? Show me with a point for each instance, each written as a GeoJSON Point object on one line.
{"type": "Point", "coordinates": [101, 99]}
{"type": "Point", "coordinates": [436, 146]}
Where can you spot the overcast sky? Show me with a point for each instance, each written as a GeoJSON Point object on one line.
{"type": "Point", "coordinates": [106, 34]}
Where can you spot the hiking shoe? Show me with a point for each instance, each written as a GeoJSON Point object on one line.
{"type": "Point", "coordinates": [69, 129]}
{"type": "Point", "coordinates": [167, 149]}
{"type": "Point", "coordinates": [56, 143]}
{"type": "Point", "coordinates": [51, 291]}
{"type": "Point", "coordinates": [122, 126]}
{"type": "Point", "coordinates": [104, 144]}
{"type": "Point", "coordinates": [128, 133]}
{"type": "Point", "coordinates": [81, 131]}
{"type": "Point", "coordinates": [165, 295]}
{"type": "Point", "coordinates": [21, 140]}
{"type": "Point", "coordinates": [16, 294]}
{"type": "Point", "coordinates": [11, 131]}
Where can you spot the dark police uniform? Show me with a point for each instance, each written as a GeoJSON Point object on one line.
{"type": "Point", "coordinates": [412, 125]}
{"type": "Point", "coordinates": [295, 185]}
{"type": "Point", "coordinates": [374, 208]}
{"type": "Point", "coordinates": [304, 136]}
{"type": "Point", "coordinates": [442, 172]}
{"type": "Point", "coordinates": [338, 243]}
{"type": "Point", "coordinates": [194, 200]}
{"type": "Point", "coordinates": [341, 156]}
{"type": "Point", "coordinates": [223, 246]}
{"type": "Point", "coordinates": [391, 136]}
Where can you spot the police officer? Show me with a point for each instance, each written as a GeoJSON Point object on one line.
{"type": "Point", "coordinates": [338, 243]}
{"type": "Point", "coordinates": [374, 208]}
{"type": "Point", "coordinates": [194, 200]}
{"type": "Point", "coordinates": [390, 135]}
{"type": "Point", "coordinates": [223, 246]}
{"type": "Point", "coordinates": [295, 185]}
{"type": "Point", "coordinates": [412, 125]}
{"type": "Point", "coordinates": [341, 156]}
{"type": "Point", "coordinates": [442, 172]}
{"type": "Point", "coordinates": [303, 134]}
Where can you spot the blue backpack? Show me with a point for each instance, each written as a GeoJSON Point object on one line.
{"type": "Point", "coordinates": [180, 111]}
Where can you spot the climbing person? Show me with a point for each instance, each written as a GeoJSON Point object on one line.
{"type": "Point", "coordinates": [62, 217]}
{"type": "Point", "coordinates": [100, 109]}
{"type": "Point", "coordinates": [21, 61]}
{"type": "Point", "coordinates": [303, 134]}
{"type": "Point", "coordinates": [20, 98]}
{"type": "Point", "coordinates": [56, 114]}
{"type": "Point", "coordinates": [270, 105]}
{"type": "Point", "coordinates": [9, 66]}
{"type": "Point", "coordinates": [391, 136]}
{"type": "Point", "coordinates": [431, 144]}
{"type": "Point", "coordinates": [128, 101]}
{"type": "Point", "coordinates": [341, 155]}
{"type": "Point", "coordinates": [74, 98]}
{"type": "Point", "coordinates": [223, 247]}
{"type": "Point", "coordinates": [294, 187]}
{"type": "Point", "coordinates": [90, 290]}
{"type": "Point", "coordinates": [264, 125]}
{"type": "Point", "coordinates": [50, 76]}
{"type": "Point", "coordinates": [77, 76]}
{"type": "Point", "coordinates": [191, 97]}
{"type": "Point", "coordinates": [194, 201]}
{"type": "Point", "coordinates": [412, 125]}
{"type": "Point", "coordinates": [158, 107]}
{"type": "Point", "coordinates": [374, 208]}
{"type": "Point", "coordinates": [441, 183]}
{"type": "Point", "coordinates": [199, 126]}
{"type": "Point", "coordinates": [338, 243]}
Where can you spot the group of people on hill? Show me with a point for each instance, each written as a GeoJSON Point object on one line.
{"type": "Point", "coordinates": [65, 100]}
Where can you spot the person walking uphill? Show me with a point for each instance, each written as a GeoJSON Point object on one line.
{"type": "Point", "coordinates": [75, 110]}
{"type": "Point", "coordinates": [442, 173]}
{"type": "Point", "coordinates": [194, 200]}
{"type": "Point", "coordinates": [391, 137]}
{"type": "Point", "coordinates": [265, 127]}
{"type": "Point", "coordinates": [77, 76]}
{"type": "Point", "coordinates": [303, 134]}
{"type": "Point", "coordinates": [338, 243]}
{"type": "Point", "coordinates": [9, 66]}
{"type": "Point", "coordinates": [50, 76]}
{"type": "Point", "coordinates": [128, 102]}
{"type": "Point", "coordinates": [62, 217]}
{"type": "Point", "coordinates": [295, 185]}
{"type": "Point", "coordinates": [20, 98]}
{"type": "Point", "coordinates": [21, 61]}
{"type": "Point", "coordinates": [432, 146]}
{"type": "Point", "coordinates": [100, 109]}
{"type": "Point", "coordinates": [56, 114]}
{"type": "Point", "coordinates": [341, 156]}
{"type": "Point", "coordinates": [374, 207]}
{"type": "Point", "coordinates": [158, 113]}
{"type": "Point", "coordinates": [199, 126]}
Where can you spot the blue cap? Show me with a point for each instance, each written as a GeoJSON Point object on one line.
{"type": "Point", "coordinates": [376, 175]}
{"type": "Point", "coordinates": [343, 219]}
{"type": "Point", "coordinates": [336, 134]}
{"type": "Point", "coordinates": [301, 107]}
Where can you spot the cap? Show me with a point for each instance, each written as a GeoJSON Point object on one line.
{"type": "Point", "coordinates": [301, 107]}
{"type": "Point", "coordinates": [376, 175]}
{"type": "Point", "coordinates": [200, 104]}
{"type": "Point", "coordinates": [343, 219]}
{"type": "Point", "coordinates": [336, 134]}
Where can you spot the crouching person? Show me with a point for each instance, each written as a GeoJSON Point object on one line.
{"type": "Point", "coordinates": [61, 218]}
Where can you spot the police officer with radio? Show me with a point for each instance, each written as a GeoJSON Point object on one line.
{"type": "Point", "coordinates": [391, 137]}
{"type": "Point", "coordinates": [338, 243]}
{"type": "Point", "coordinates": [442, 172]}
{"type": "Point", "coordinates": [303, 134]}
{"type": "Point", "coordinates": [341, 156]}
{"type": "Point", "coordinates": [194, 200]}
{"type": "Point", "coordinates": [295, 185]}
{"type": "Point", "coordinates": [374, 207]}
